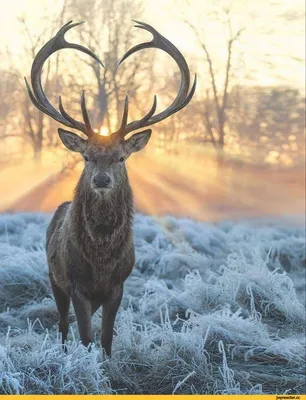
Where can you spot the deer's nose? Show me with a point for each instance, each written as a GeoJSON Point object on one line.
{"type": "Point", "coordinates": [101, 181]}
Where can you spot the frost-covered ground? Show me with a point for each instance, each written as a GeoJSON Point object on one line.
{"type": "Point", "coordinates": [207, 309]}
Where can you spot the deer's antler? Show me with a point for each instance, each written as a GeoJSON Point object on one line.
{"type": "Point", "coordinates": [38, 96]}
{"type": "Point", "coordinates": [59, 42]}
{"type": "Point", "coordinates": [184, 95]}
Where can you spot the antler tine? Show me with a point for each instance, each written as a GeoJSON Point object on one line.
{"type": "Point", "coordinates": [32, 97]}
{"type": "Point", "coordinates": [37, 94]}
{"type": "Point", "coordinates": [146, 118]}
{"type": "Point", "coordinates": [120, 132]}
{"type": "Point", "coordinates": [125, 113]}
{"type": "Point", "coordinates": [85, 115]}
{"type": "Point", "coordinates": [89, 131]}
{"type": "Point", "coordinates": [182, 98]}
{"type": "Point", "coordinates": [72, 121]}
{"type": "Point", "coordinates": [151, 112]}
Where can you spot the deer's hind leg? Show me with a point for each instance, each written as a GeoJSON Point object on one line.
{"type": "Point", "coordinates": [62, 300]}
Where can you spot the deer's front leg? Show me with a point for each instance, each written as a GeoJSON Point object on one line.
{"type": "Point", "coordinates": [82, 308]}
{"type": "Point", "coordinates": [110, 309]}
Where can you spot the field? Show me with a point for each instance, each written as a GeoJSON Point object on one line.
{"type": "Point", "coordinates": [209, 308]}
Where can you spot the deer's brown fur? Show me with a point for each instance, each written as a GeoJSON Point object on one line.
{"type": "Point", "coordinates": [90, 250]}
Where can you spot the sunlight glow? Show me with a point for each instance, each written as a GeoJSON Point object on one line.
{"type": "Point", "coordinates": [104, 131]}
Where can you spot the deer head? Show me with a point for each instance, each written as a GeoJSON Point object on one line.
{"type": "Point", "coordinates": [105, 155]}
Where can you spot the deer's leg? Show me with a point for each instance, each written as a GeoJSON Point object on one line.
{"type": "Point", "coordinates": [62, 300]}
{"type": "Point", "coordinates": [82, 308]}
{"type": "Point", "coordinates": [110, 309]}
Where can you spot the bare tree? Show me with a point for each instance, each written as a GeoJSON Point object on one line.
{"type": "Point", "coordinates": [30, 124]}
{"type": "Point", "coordinates": [9, 89]}
{"type": "Point", "coordinates": [215, 102]}
{"type": "Point", "coordinates": [33, 121]}
{"type": "Point", "coordinates": [108, 33]}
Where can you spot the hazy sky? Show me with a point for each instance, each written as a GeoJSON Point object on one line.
{"type": "Point", "coordinates": [272, 43]}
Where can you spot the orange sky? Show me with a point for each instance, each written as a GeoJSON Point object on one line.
{"type": "Point", "coordinates": [271, 44]}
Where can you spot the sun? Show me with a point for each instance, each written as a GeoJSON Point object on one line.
{"type": "Point", "coordinates": [104, 131]}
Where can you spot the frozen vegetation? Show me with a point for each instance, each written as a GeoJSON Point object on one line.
{"type": "Point", "coordinates": [207, 309]}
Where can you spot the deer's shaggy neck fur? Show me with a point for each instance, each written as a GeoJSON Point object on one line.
{"type": "Point", "coordinates": [101, 223]}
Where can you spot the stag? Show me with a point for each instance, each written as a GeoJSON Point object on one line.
{"type": "Point", "coordinates": [89, 241]}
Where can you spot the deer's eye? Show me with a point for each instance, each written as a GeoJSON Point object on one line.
{"type": "Point", "coordinates": [121, 159]}
{"type": "Point", "coordinates": [86, 158]}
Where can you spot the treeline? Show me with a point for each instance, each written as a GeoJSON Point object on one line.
{"type": "Point", "coordinates": [263, 124]}
{"type": "Point", "coordinates": [254, 123]}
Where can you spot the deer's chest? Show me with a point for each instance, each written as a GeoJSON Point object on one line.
{"type": "Point", "coordinates": [97, 269]}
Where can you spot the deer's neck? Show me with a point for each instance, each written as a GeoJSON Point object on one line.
{"type": "Point", "coordinates": [98, 220]}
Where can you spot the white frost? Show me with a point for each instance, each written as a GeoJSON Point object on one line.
{"type": "Point", "coordinates": [207, 309]}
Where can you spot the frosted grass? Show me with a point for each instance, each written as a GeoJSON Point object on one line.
{"type": "Point", "coordinates": [207, 309]}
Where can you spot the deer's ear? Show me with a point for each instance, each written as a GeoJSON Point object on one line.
{"type": "Point", "coordinates": [72, 141]}
{"type": "Point", "coordinates": [138, 141]}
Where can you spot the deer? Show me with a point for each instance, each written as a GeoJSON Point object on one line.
{"type": "Point", "coordinates": [89, 240]}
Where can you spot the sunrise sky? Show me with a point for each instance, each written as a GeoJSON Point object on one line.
{"type": "Point", "coordinates": [272, 46]}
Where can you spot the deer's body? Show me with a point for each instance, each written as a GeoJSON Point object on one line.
{"type": "Point", "coordinates": [90, 249]}
{"type": "Point", "coordinates": [90, 246]}
{"type": "Point", "coordinates": [90, 241]}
